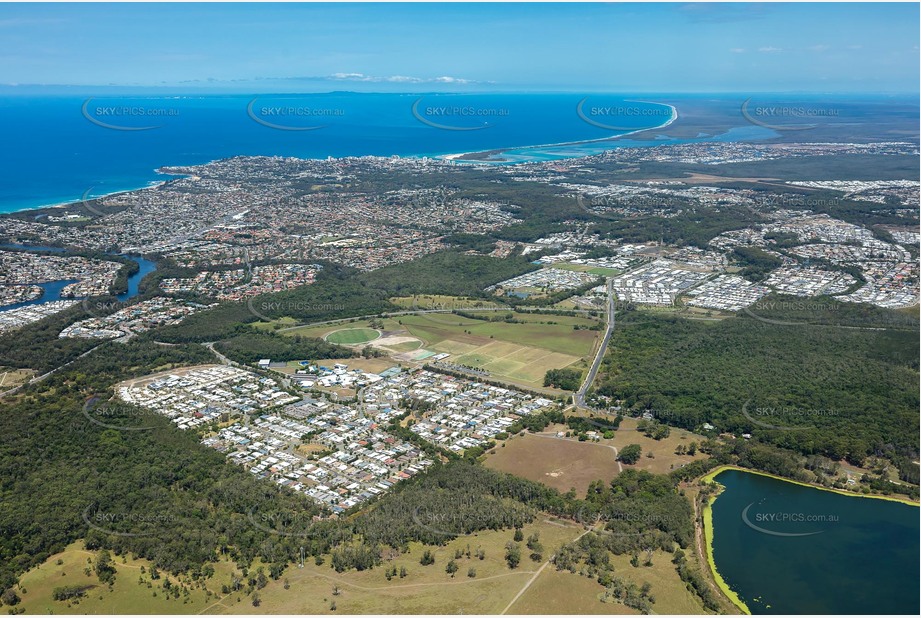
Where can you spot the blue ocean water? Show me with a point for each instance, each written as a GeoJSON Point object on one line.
{"type": "Point", "coordinates": [56, 148]}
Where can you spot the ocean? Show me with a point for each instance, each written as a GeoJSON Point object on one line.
{"type": "Point", "coordinates": [58, 148]}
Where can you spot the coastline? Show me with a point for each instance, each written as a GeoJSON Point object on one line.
{"type": "Point", "coordinates": [453, 158]}
{"type": "Point", "coordinates": [711, 476]}
{"type": "Point", "coordinates": [459, 157]}
{"type": "Point", "coordinates": [152, 184]}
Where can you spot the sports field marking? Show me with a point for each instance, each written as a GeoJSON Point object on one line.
{"type": "Point", "coordinates": [352, 336]}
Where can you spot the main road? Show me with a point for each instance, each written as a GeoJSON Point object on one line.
{"type": "Point", "coordinates": [579, 397]}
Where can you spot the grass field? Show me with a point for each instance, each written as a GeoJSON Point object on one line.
{"type": "Point", "coordinates": [592, 270]}
{"type": "Point", "coordinates": [274, 324]}
{"type": "Point", "coordinates": [517, 362]}
{"type": "Point", "coordinates": [425, 589]}
{"type": "Point", "coordinates": [314, 589]}
{"type": "Point", "coordinates": [561, 592]}
{"type": "Point", "coordinates": [127, 595]}
{"type": "Point", "coordinates": [561, 464]}
{"type": "Point", "coordinates": [520, 352]}
{"type": "Point", "coordinates": [567, 463]}
{"type": "Point", "coordinates": [352, 336]}
{"type": "Point", "coordinates": [405, 346]}
{"type": "Point", "coordinates": [10, 378]}
{"type": "Point", "coordinates": [671, 594]}
{"type": "Point", "coordinates": [663, 450]}
{"type": "Point", "coordinates": [566, 304]}
{"type": "Point", "coordinates": [552, 332]}
{"type": "Point", "coordinates": [557, 592]}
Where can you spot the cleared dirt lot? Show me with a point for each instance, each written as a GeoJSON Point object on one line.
{"type": "Point", "coordinates": [558, 463]}
{"type": "Point", "coordinates": [566, 463]}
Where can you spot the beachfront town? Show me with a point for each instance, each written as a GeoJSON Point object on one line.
{"type": "Point", "coordinates": [339, 454]}
{"type": "Point", "coordinates": [246, 226]}
{"type": "Point", "coordinates": [282, 209]}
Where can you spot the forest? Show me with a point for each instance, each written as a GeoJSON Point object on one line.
{"type": "Point", "coordinates": [817, 389]}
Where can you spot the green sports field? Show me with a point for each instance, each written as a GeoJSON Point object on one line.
{"type": "Point", "coordinates": [352, 336]}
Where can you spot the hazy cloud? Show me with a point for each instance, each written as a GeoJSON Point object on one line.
{"type": "Point", "coordinates": [399, 79]}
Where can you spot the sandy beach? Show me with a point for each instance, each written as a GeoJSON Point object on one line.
{"type": "Point", "coordinates": [460, 156]}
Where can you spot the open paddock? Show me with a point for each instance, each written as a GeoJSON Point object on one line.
{"type": "Point", "coordinates": [564, 593]}
{"type": "Point", "coordinates": [425, 589]}
{"type": "Point", "coordinates": [562, 464]}
{"type": "Point", "coordinates": [664, 459]}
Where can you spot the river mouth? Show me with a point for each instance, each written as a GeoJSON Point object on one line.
{"type": "Point", "coordinates": [786, 548]}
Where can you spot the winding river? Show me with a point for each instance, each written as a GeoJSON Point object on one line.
{"type": "Point", "coordinates": [52, 289]}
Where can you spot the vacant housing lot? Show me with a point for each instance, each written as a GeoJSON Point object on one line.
{"type": "Point", "coordinates": [563, 464]}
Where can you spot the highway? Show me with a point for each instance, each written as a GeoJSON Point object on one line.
{"type": "Point", "coordinates": [579, 397]}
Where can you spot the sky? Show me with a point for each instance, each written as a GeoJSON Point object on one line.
{"type": "Point", "coordinates": [618, 47]}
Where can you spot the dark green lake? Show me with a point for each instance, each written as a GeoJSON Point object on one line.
{"type": "Point", "coordinates": [789, 549]}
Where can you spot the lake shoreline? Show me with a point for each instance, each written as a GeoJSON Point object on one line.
{"type": "Point", "coordinates": [708, 530]}
{"type": "Point", "coordinates": [710, 476]}
{"type": "Point", "coordinates": [707, 525]}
